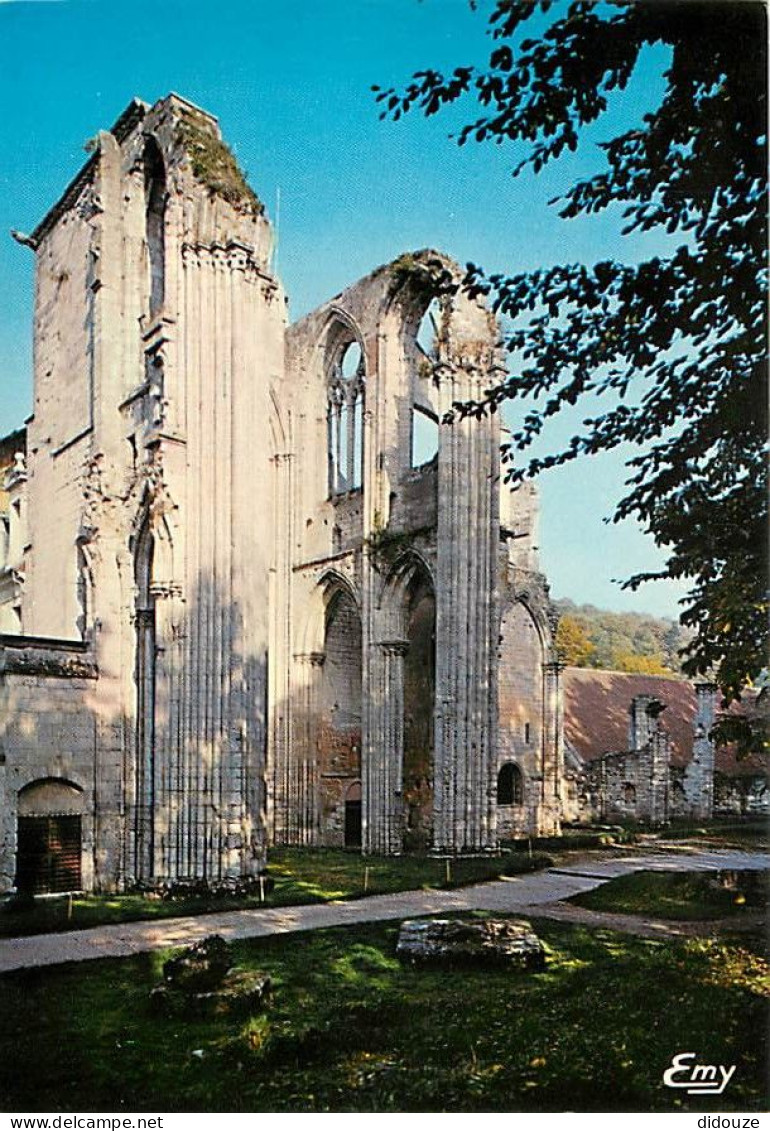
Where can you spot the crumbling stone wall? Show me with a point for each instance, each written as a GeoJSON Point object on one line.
{"type": "Point", "coordinates": [630, 785]}
{"type": "Point", "coordinates": [660, 777]}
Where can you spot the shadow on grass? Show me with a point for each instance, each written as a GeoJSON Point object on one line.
{"type": "Point", "coordinates": [350, 1029]}
{"type": "Point", "coordinates": [300, 876]}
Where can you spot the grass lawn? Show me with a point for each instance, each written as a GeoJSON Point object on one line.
{"type": "Point", "coordinates": [680, 895]}
{"type": "Point", "coordinates": [350, 1030]}
{"type": "Point", "coordinates": [750, 833]}
{"type": "Point", "coordinates": [300, 875]}
{"type": "Point", "coordinates": [317, 875]}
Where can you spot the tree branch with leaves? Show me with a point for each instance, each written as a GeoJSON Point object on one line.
{"type": "Point", "coordinates": [676, 344]}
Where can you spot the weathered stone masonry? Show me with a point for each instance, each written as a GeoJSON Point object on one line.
{"type": "Point", "coordinates": [260, 585]}
{"type": "Point", "coordinates": [158, 333]}
{"type": "Point", "coordinates": [638, 748]}
{"type": "Point", "coordinates": [287, 610]}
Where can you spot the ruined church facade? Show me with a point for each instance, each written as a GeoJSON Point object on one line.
{"type": "Point", "coordinates": [257, 586]}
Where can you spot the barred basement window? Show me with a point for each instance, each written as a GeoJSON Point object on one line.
{"type": "Point", "coordinates": [427, 336]}
{"type": "Point", "coordinates": [49, 837]}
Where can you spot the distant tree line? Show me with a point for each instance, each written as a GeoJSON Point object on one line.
{"type": "Point", "coordinates": [588, 637]}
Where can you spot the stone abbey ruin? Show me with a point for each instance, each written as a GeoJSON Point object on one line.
{"type": "Point", "coordinates": [255, 588]}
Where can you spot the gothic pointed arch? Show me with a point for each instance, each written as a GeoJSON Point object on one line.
{"type": "Point", "coordinates": [405, 571]}
{"type": "Point", "coordinates": [155, 198]}
{"type": "Point", "coordinates": [339, 728]}
{"type": "Point", "coordinates": [344, 368]}
{"type": "Point", "coordinates": [329, 584]}
{"type": "Point", "coordinates": [145, 691]}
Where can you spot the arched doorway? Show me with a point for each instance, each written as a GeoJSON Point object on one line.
{"type": "Point", "coordinates": [50, 837]}
{"type": "Point", "coordinates": [510, 785]}
{"type": "Point", "coordinates": [419, 700]}
{"type": "Point", "coordinates": [353, 816]}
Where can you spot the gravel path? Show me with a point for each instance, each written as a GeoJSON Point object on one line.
{"type": "Point", "coordinates": [538, 893]}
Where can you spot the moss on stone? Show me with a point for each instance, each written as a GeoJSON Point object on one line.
{"type": "Point", "coordinates": [426, 275]}
{"type": "Point", "coordinates": [214, 165]}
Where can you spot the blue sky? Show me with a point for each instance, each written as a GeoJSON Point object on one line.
{"type": "Point", "coordinates": [291, 87]}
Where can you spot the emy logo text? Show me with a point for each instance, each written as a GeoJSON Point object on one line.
{"type": "Point", "coordinates": [697, 1079]}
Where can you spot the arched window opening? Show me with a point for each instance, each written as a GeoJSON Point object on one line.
{"type": "Point", "coordinates": [345, 420]}
{"type": "Point", "coordinates": [145, 702]}
{"type": "Point", "coordinates": [629, 794]}
{"type": "Point", "coordinates": [424, 437]}
{"type": "Point", "coordinates": [510, 785]}
{"type": "Point", "coordinates": [428, 332]}
{"type": "Point", "coordinates": [155, 222]}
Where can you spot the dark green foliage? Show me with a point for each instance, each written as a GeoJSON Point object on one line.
{"type": "Point", "coordinates": [747, 731]}
{"type": "Point", "coordinates": [723, 833]}
{"type": "Point", "coordinates": [615, 635]}
{"type": "Point", "coordinates": [349, 1029]}
{"type": "Point", "coordinates": [677, 345]}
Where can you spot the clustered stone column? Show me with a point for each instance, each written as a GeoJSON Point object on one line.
{"type": "Point", "coordinates": [297, 812]}
{"type": "Point", "coordinates": [553, 747]}
{"type": "Point", "coordinates": [466, 593]}
{"type": "Point", "coordinates": [382, 783]}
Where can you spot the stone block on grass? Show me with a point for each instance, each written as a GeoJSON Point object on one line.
{"type": "Point", "coordinates": [508, 943]}
{"type": "Point", "coordinates": [241, 993]}
{"type": "Point", "coordinates": [200, 968]}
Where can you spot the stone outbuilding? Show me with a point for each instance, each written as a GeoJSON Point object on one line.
{"type": "Point", "coordinates": [638, 749]}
